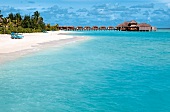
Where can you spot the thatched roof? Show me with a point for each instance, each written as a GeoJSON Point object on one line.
{"type": "Point", "coordinates": [95, 26]}
{"type": "Point", "coordinates": [102, 27]}
{"type": "Point", "coordinates": [70, 26]}
{"type": "Point", "coordinates": [79, 27]}
{"type": "Point", "coordinates": [133, 21]}
{"type": "Point", "coordinates": [144, 25]}
{"type": "Point", "coordinates": [110, 27]}
{"type": "Point", "coordinates": [87, 27]}
{"type": "Point", "coordinates": [128, 24]}
{"type": "Point", "coordinates": [125, 24]}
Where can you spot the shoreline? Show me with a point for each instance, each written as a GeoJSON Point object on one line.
{"type": "Point", "coordinates": [11, 49]}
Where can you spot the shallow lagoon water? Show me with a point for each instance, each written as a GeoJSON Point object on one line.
{"type": "Point", "coordinates": [111, 72]}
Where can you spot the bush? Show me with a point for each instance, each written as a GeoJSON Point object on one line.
{"type": "Point", "coordinates": [8, 32]}
{"type": "Point", "coordinates": [1, 30]}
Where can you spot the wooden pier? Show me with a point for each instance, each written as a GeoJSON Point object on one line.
{"type": "Point", "coordinates": [125, 26]}
{"type": "Point", "coordinates": [86, 28]}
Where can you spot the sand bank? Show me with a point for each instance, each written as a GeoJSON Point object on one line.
{"type": "Point", "coordinates": [11, 49]}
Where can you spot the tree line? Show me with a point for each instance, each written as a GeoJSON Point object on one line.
{"type": "Point", "coordinates": [24, 24]}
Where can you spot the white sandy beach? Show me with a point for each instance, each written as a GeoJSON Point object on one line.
{"type": "Point", "coordinates": [14, 48]}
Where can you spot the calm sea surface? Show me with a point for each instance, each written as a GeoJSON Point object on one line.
{"type": "Point", "coordinates": [111, 72]}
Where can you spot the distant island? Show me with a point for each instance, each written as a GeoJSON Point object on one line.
{"type": "Point", "coordinates": [25, 24]}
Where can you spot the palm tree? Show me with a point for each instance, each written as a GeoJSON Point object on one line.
{"type": "Point", "coordinates": [56, 27]}
{"type": "Point", "coordinates": [1, 20]}
{"type": "Point", "coordinates": [18, 19]}
{"type": "Point", "coordinates": [11, 16]}
{"type": "Point", "coordinates": [5, 24]}
{"type": "Point", "coordinates": [40, 19]}
{"type": "Point", "coordinates": [26, 22]}
{"type": "Point", "coordinates": [36, 16]}
{"type": "Point", "coordinates": [37, 21]}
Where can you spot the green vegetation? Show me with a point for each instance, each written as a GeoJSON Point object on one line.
{"type": "Point", "coordinates": [25, 24]}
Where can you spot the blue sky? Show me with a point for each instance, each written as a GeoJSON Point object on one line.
{"type": "Point", "coordinates": [93, 12]}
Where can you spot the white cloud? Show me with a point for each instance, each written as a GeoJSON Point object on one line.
{"type": "Point", "coordinates": [100, 14]}
{"type": "Point", "coordinates": [166, 2]}
{"type": "Point", "coordinates": [113, 17]}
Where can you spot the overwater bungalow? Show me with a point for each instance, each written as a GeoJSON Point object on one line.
{"type": "Point", "coordinates": [154, 28]}
{"type": "Point", "coordinates": [122, 26]}
{"type": "Point", "coordinates": [87, 28]}
{"type": "Point", "coordinates": [59, 27]}
{"type": "Point", "coordinates": [144, 27]}
{"type": "Point", "coordinates": [95, 28]}
{"type": "Point", "coordinates": [70, 28]}
{"type": "Point", "coordinates": [79, 28]}
{"type": "Point", "coordinates": [134, 26]}
{"type": "Point", "coordinates": [62, 27]}
{"type": "Point", "coordinates": [110, 28]}
{"type": "Point", "coordinates": [102, 28]}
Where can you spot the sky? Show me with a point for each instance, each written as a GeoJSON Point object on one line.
{"type": "Point", "coordinates": [93, 12]}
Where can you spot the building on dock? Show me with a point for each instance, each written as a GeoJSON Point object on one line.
{"type": "Point", "coordinates": [70, 28]}
{"type": "Point", "coordinates": [64, 28]}
{"type": "Point", "coordinates": [144, 27]}
{"type": "Point", "coordinates": [134, 26]}
{"type": "Point", "coordinates": [79, 28]}
{"type": "Point", "coordinates": [154, 28]}
{"type": "Point", "coordinates": [110, 28]}
{"type": "Point", "coordinates": [122, 26]}
{"type": "Point", "coordinates": [102, 28]}
{"type": "Point", "coordinates": [128, 26]}
{"type": "Point", "coordinates": [95, 28]}
{"type": "Point", "coordinates": [87, 28]}
{"type": "Point", "coordinates": [59, 27]}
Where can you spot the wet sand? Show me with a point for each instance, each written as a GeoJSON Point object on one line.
{"type": "Point", "coordinates": [11, 49]}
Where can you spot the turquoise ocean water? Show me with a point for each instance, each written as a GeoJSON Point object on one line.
{"type": "Point", "coordinates": [111, 72]}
